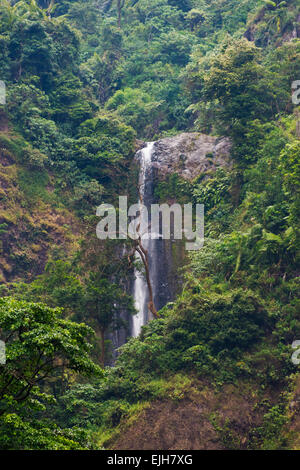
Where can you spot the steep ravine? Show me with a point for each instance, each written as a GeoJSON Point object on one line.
{"type": "Point", "coordinates": [188, 155]}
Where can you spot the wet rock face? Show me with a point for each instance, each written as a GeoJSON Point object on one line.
{"type": "Point", "coordinates": [191, 154]}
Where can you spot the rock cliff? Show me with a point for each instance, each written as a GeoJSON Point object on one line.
{"type": "Point", "coordinates": [190, 154]}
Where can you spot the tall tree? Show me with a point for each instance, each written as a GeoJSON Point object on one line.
{"type": "Point", "coordinates": [39, 345]}
{"type": "Point", "coordinates": [102, 302]}
{"type": "Point", "coordinates": [119, 5]}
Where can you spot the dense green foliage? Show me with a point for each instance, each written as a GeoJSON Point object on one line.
{"type": "Point", "coordinates": [84, 81]}
{"type": "Point", "coordinates": [39, 344]}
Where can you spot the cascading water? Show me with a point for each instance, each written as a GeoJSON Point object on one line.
{"type": "Point", "coordinates": [140, 291]}
{"type": "Point", "coordinates": [162, 254]}
{"type": "Point", "coordinates": [157, 161]}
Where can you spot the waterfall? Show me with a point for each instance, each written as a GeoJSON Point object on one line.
{"type": "Point", "coordinates": [140, 290]}
{"type": "Point", "coordinates": [164, 256]}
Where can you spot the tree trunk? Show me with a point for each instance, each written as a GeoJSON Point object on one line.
{"type": "Point", "coordinates": [102, 347]}
{"type": "Point", "coordinates": [298, 129]}
{"type": "Point", "coordinates": [50, 8]}
{"type": "Point", "coordinates": [119, 7]}
{"type": "Point", "coordinates": [138, 247]}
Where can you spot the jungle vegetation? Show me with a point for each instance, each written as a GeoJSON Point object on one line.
{"type": "Point", "coordinates": [86, 80]}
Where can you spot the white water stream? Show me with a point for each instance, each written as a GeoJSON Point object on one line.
{"type": "Point", "coordinates": [140, 290]}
